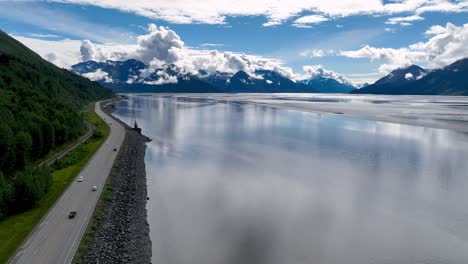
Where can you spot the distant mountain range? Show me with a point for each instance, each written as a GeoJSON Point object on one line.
{"type": "Point", "coordinates": [329, 85]}
{"type": "Point", "coordinates": [414, 80]}
{"type": "Point", "coordinates": [134, 76]}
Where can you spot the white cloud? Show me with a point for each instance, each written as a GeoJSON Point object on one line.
{"type": "Point", "coordinates": [102, 52]}
{"type": "Point", "coordinates": [316, 71]}
{"type": "Point", "coordinates": [307, 21]}
{"type": "Point", "coordinates": [212, 45]}
{"type": "Point", "coordinates": [276, 12]}
{"type": "Point", "coordinates": [409, 76]}
{"type": "Point", "coordinates": [162, 73]}
{"type": "Point", "coordinates": [404, 21]}
{"type": "Point", "coordinates": [161, 46]}
{"type": "Point", "coordinates": [392, 58]}
{"type": "Point", "coordinates": [156, 48]}
{"type": "Point", "coordinates": [317, 53]}
{"type": "Point", "coordinates": [41, 35]}
{"type": "Point", "coordinates": [98, 75]}
{"type": "Point", "coordinates": [445, 45]}
{"type": "Point", "coordinates": [62, 53]}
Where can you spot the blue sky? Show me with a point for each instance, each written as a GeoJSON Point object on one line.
{"type": "Point", "coordinates": [278, 32]}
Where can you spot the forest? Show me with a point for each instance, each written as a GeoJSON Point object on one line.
{"type": "Point", "coordinates": [40, 108]}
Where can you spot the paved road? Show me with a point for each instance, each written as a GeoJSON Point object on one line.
{"type": "Point", "coordinates": [56, 238]}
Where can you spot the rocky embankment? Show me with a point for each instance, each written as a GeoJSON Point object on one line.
{"type": "Point", "coordinates": [122, 232]}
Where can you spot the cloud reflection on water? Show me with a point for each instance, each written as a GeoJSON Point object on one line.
{"type": "Point", "coordinates": [239, 183]}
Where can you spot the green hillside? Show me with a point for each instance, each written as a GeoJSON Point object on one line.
{"type": "Point", "coordinates": [39, 110]}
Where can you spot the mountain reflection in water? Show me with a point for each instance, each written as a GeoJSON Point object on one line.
{"type": "Point", "coordinates": [240, 183]}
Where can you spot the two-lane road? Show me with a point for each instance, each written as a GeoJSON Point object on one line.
{"type": "Point", "coordinates": [56, 238]}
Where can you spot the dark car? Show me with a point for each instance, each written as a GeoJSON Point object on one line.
{"type": "Point", "coordinates": [115, 149]}
{"type": "Point", "coordinates": [72, 214]}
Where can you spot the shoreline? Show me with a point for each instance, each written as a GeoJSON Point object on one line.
{"type": "Point", "coordinates": [411, 115]}
{"type": "Point", "coordinates": [121, 231]}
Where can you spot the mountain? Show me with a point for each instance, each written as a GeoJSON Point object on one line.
{"type": "Point", "coordinates": [40, 108]}
{"type": "Point", "coordinates": [395, 80]}
{"type": "Point", "coordinates": [264, 81]}
{"type": "Point", "coordinates": [217, 79]}
{"type": "Point", "coordinates": [450, 80]}
{"type": "Point", "coordinates": [118, 71]}
{"type": "Point", "coordinates": [329, 85]}
{"type": "Point", "coordinates": [20, 64]}
{"type": "Point", "coordinates": [135, 76]}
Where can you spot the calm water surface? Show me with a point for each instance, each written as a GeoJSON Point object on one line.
{"type": "Point", "coordinates": [233, 183]}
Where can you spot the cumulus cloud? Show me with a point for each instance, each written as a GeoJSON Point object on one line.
{"type": "Point", "coordinates": [102, 52]}
{"type": "Point", "coordinates": [98, 75]}
{"type": "Point", "coordinates": [276, 12]}
{"type": "Point", "coordinates": [317, 71]}
{"type": "Point", "coordinates": [88, 51]}
{"type": "Point", "coordinates": [445, 45]}
{"type": "Point", "coordinates": [162, 46]}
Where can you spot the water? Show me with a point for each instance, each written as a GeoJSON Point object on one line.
{"type": "Point", "coordinates": [245, 184]}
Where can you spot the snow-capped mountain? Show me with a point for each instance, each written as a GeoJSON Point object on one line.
{"type": "Point", "coordinates": [329, 85]}
{"type": "Point", "coordinates": [115, 71]}
{"type": "Point", "coordinates": [397, 78]}
{"type": "Point", "coordinates": [135, 76]}
{"type": "Point", "coordinates": [449, 80]}
{"type": "Point", "coordinates": [261, 81]}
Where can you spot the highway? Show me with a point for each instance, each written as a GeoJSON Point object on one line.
{"type": "Point", "coordinates": [56, 238]}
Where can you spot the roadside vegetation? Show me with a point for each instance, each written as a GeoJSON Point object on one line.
{"type": "Point", "coordinates": [15, 228]}
{"type": "Point", "coordinates": [39, 115]}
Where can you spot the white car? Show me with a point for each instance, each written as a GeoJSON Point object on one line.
{"type": "Point", "coordinates": [80, 179]}
{"type": "Point", "coordinates": [94, 188]}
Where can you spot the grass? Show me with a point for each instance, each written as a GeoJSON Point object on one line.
{"type": "Point", "coordinates": [14, 229]}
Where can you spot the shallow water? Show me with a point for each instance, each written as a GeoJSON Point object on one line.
{"type": "Point", "coordinates": [240, 183]}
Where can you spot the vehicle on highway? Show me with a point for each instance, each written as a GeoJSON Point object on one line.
{"type": "Point", "coordinates": [94, 188]}
{"type": "Point", "coordinates": [115, 149]}
{"type": "Point", "coordinates": [80, 179]}
{"type": "Point", "coordinates": [72, 214]}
